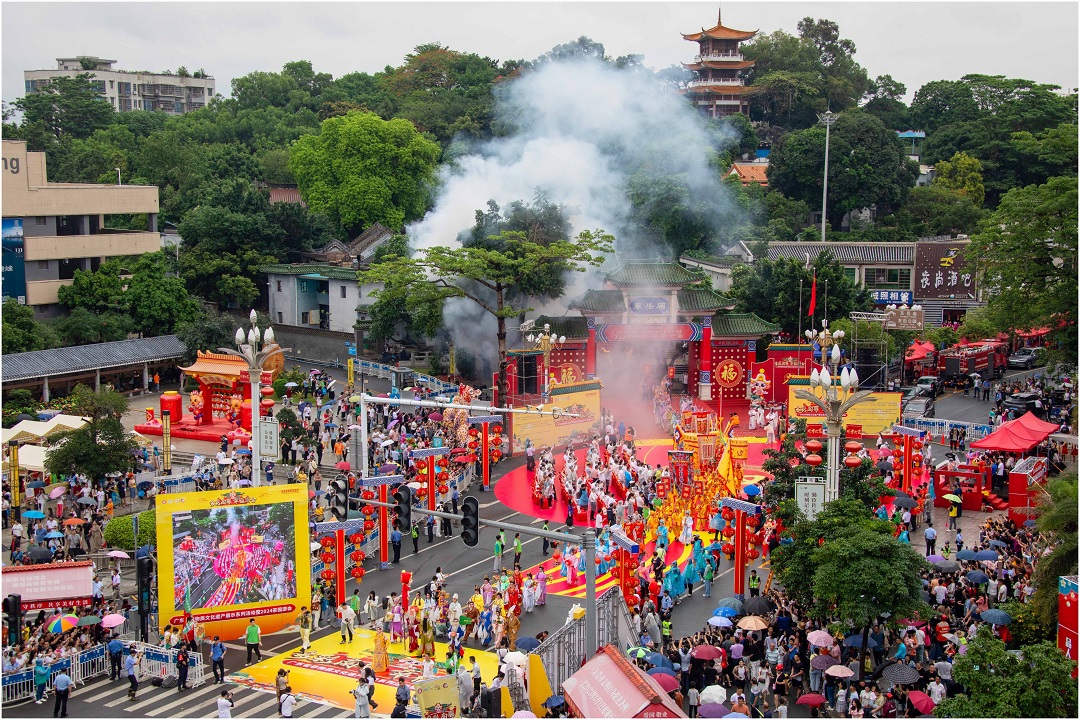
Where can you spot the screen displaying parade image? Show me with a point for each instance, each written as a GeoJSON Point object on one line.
{"type": "Point", "coordinates": [234, 555]}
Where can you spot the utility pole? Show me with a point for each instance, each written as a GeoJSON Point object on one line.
{"type": "Point", "coordinates": [827, 119]}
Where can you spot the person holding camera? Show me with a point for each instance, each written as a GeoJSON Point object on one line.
{"type": "Point", "coordinates": [131, 664]}
{"type": "Point", "coordinates": [360, 693]}
{"type": "Point", "coordinates": [288, 702]}
{"type": "Point", "coordinates": [280, 683]}
{"type": "Point", "coordinates": [225, 704]}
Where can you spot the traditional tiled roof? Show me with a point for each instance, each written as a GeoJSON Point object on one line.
{"type": "Point", "coordinates": [717, 260]}
{"type": "Point", "coordinates": [370, 237]}
{"type": "Point", "coordinates": [333, 272]}
{"type": "Point", "coordinates": [750, 173]}
{"type": "Point", "coordinates": [599, 302]}
{"type": "Point", "coordinates": [281, 193]}
{"type": "Point", "coordinates": [654, 274]}
{"type": "Point", "coordinates": [103, 356]}
{"type": "Point", "coordinates": [721, 33]}
{"type": "Point", "coordinates": [573, 327]}
{"type": "Point", "coordinates": [698, 300]}
{"type": "Point", "coordinates": [212, 363]}
{"type": "Point", "coordinates": [848, 253]}
{"type": "Point", "coordinates": [741, 324]}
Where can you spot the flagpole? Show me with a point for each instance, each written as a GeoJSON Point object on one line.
{"type": "Point", "coordinates": [798, 339]}
{"type": "Point", "coordinates": [825, 305]}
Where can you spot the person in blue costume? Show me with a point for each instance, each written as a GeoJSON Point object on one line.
{"type": "Point", "coordinates": [691, 574]}
{"type": "Point", "coordinates": [673, 581]}
{"type": "Point", "coordinates": [603, 550]}
{"type": "Point", "coordinates": [485, 623]}
{"type": "Point", "coordinates": [662, 540]}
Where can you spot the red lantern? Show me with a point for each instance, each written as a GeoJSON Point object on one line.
{"type": "Point", "coordinates": [916, 445]}
{"type": "Point", "coordinates": [727, 513]}
{"type": "Point", "coordinates": [728, 531]}
{"type": "Point", "coordinates": [472, 445]}
{"type": "Point", "coordinates": [853, 461]}
{"type": "Point", "coordinates": [727, 549]}
{"type": "Point", "coordinates": [357, 556]}
{"type": "Point", "coordinates": [442, 462]}
{"type": "Point", "coordinates": [368, 510]}
{"type": "Point", "coordinates": [495, 455]}
{"type": "Point", "coordinates": [497, 429]}
{"type": "Point", "coordinates": [369, 525]}
{"type": "Point", "coordinates": [328, 574]}
{"type": "Point", "coordinates": [752, 554]}
{"type": "Point", "coordinates": [367, 495]}
{"type": "Point", "coordinates": [473, 432]}
{"type": "Point", "coordinates": [752, 521]}
{"type": "Point", "coordinates": [852, 446]}
{"type": "Point", "coordinates": [358, 573]}
{"type": "Point", "coordinates": [598, 560]}
{"type": "Point", "coordinates": [422, 469]}
{"type": "Point", "coordinates": [443, 477]}
{"type": "Point", "coordinates": [327, 542]}
{"type": "Point", "coordinates": [813, 460]}
{"type": "Point", "coordinates": [327, 557]}
{"type": "Point", "coordinates": [443, 489]}
{"type": "Point", "coordinates": [356, 539]}
{"type": "Point", "coordinates": [421, 492]}
{"type": "Point", "coordinates": [814, 446]}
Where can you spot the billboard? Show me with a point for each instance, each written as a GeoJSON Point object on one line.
{"type": "Point", "coordinates": [546, 430]}
{"type": "Point", "coordinates": [48, 583]}
{"type": "Point", "coordinates": [872, 417]}
{"type": "Point", "coordinates": [904, 319]}
{"type": "Point", "coordinates": [13, 280]}
{"type": "Point", "coordinates": [233, 555]}
{"type": "Point", "coordinates": [941, 273]}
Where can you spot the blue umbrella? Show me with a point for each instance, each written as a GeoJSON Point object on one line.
{"type": "Point", "coordinates": [732, 602]}
{"type": "Point", "coordinates": [725, 612]}
{"type": "Point", "coordinates": [997, 543]}
{"type": "Point", "coordinates": [977, 577]}
{"type": "Point", "coordinates": [966, 555]}
{"type": "Point", "coordinates": [554, 701]}
{"type": "Point", "coordinates": [34, 515]}
{"type": "Point", "coordinates": [996, 617]}
{"type": "Point", "coordinates": [751, 490]}
{"type": "Point", "coordinates": [856, 641]}
{"type": "Point", "coordinates": [736, 715]}
{"type": "Point", "coordinates": [662, 671]}
{"type": "Point", "coordinates": [528, 644]}
{"type": "Point", "coordinates": [658, 660]}
{"type": "Point", "coordinates": [986, 555]}
{"type": "Point", "coordinates": [1029, 523]}
{"type": "Point", "coordinates": [54, 534]}
{"type": "Point", "coordinates": [35, 485]}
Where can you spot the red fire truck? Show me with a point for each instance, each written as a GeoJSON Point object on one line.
{"type": "Point", "coordinates": [988, 358]}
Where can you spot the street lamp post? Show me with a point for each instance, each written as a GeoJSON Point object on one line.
{"type": "Point", "coordinates": [834, 400]}
{"type": "Point", "coordinates": [827, 119]}
{"type": "Point", "coordinates": [248, 350]}
{"type": "Point", "coordinates": [546, 342]}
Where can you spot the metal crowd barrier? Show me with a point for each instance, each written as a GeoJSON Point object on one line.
{"type": "Point", "coordinates": [939, 429]}
{"type": "Point", "coordinates": [157, 662]}
{"type": "Point", "coordinates": [84, 665]}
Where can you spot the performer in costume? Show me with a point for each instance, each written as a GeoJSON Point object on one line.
{"type": "Point", "coordinates": [427, 638]}
{"type": "Point", "coordinates": [528, 594]}
{"type": "Point", "coordinates": [541, 587]}
{"type": "Point", "coordinates": [687, 534]}
{"type": "Point", "coordinates": [380, 660]}
{"type": "Point", "coordinates": [661, 538]}
{"type": "Point", "coordinates": [673, 581]}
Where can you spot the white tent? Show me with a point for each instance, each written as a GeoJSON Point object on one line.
{"type": "Point", "coordinates": [31, 458]}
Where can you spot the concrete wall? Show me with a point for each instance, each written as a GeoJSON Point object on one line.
{"type": "Point", "coordinates": [315, 344]}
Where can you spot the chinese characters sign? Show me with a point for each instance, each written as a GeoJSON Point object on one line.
{"type": "Point", "coordinates": [895, 297]}
{"type": "Point", "coordinates": [941, 271]}
{"type": "Point", "coordinates": [904, 319]}
{"type": "Point", "coordinates": [48, 582]}
{"type": "Point", "coordinates": [650, 305]}
{"type": "Point", "coordinates": [810, 496]}
{"type": "Point", "coordinates": [729, 373]}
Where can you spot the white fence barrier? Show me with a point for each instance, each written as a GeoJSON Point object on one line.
{"type": "Point", "coordinates": [157, 662]}
{"type": "Point", "coordinates": [80, 667]}
{"type": "Point", "coordinates": [940, 428]}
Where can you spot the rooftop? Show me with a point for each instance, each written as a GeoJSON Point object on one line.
{"type": "Point", "coordinates": [655, 273]}
{"type": "Point", "coordinates": [599, 302]}
{"type": "Point", "coordinates": [744, 324]}
{"type": "Point", "coordinates": [751, 172]}
{"type": "Point", "coordinates": [574, 328]}
{"type": "Point", "coordinates": [848, 253]}
{"type": "Point", "coordinates": [720, 32]}
{"type": "Point", "coordinates": [702, 300]}
{"type": "Point", "coordinates": [103, 356]}
{"type": "Point", "coordinates": [325, 270]}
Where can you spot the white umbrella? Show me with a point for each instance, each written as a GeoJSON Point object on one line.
{"type": "Point", "coordinates": [720, 622]}
{"type": "Point", "coordinates": [713, 694]}
{"type": "Point", "coordinates": [315, 546]}
{"type": "Point", "coordinates": [292, 384]}
{"type": "Point", "coordinates": [415, 485]}
{"type": "Point", "coordinates": [516, 658]}
{"type": "Point", "coordinates": [840, 671]}
{"type": "Point", "coordinates": [387, 442]}
{"type": "Point", "coordinates": [225, 461]}
{"type": "Point", "coordinates": [118, 554]}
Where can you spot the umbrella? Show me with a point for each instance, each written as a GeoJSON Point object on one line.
{"type": "Point", "coordinates": [713, 710]}
{"type": "Point", "coordinates": [554, 701]}
{"type": "Point", "coordinates": [977, 577]}
{"type": "Point", "coordinates": [713, 694]}
{"type": "Point", "coordinates": [315, 546]}
{"type": "Point", "coordinates": [62, 623]}
{"type": "Point", "coordinates": [465, 459]}
{"type": "Point", "coordinates": [904, 502]}
{"type": "Point", "coordinates": [997, 543]}
{"type": "Point", "coordinates": [88, 620]}
{"type": "Point", "coordinates": [1029, 523]}
{"type": "Point", "coordinates": [944, 669]}
{"type": "Point", "coordinates": [225, 461]}
{"type": "Point", "coordinates": [951, 637]}
{"type": "Point", "coordinates": [758, 606]}
{"type": "Point", "coordinates": [820, 638]}
{"type": "Point", "coordinates": [996, 617]}
{"type": "Point", "coordinates": [856, 641]}
{"type": "Point", "coordinates": [900, 674]}
{"type": "Point", "coordinates": [733, 715]}
{"type": "Point", "coordinates": [751, 490]}
{"type": "Point", "coordinates": [951, 497]}
{"type": "Point", "coordinates": [34, 515]}
{"type": "Point", "coordinates": [343, 465]}
{"type": "Point", "coordinates": [948, 566]}
{"type": "Point", "coordinates": [662, 671]}
{"type": "Point", "coordinates": [657, 659]}
{"type": "Point", "coordinates": [839, 671]}
{"type": "Point", "coordinates": [292, 384]}
{"type": "Point", "coordinates": [54, 535]}
{"type": "Point", "coordinates": [74, 521]}
{"type": "Point", "coordinates": [58, 491]}
{"type": "Point", "coordinates": [707, 652]}
{"type": "Point", "coordinates": [35, 485]}
{"type": "Point", "coordinates": [112, 620]}
{"type": "Point", "coordinates": [516, 658]}
{"type": "Point", "coordinates": [311, 494]}
{"type": "Point", "coordinates": [40, 554]}
{"type": "Point", "coordinates": [23, 416]}
{"type": "Point", "coordinates": [528, 644]}
{"type": "Point", "coordinates": [921, 701]}
{"type": "Point", "coordinates": [120, 554]}
{"type": "Point", "coordinates": [753, 622]}
{"type": "Point", "coordinates": [731, 602]}
{"type": "Point", "coordinates": [725, 612]}
{"type": "Point", "coordinates": [667, 682]}
{"type": "Point", "coordinates": [812, 699]}
{"type": "Point", "coordinates": [719, 622]}
{"type": "Point", "coordinates": [986, 555]}
{"type": "Point", "coordinates": [637, 652]}
{"type": "Point", "coordinates": [524, 714]}
{"type": "Point", "coordinates": [822, 662]}
{"type": "Point", "coordinates": [973, 376]}
{"type": "Point", "coordinates": [966, 555]}
{"type": "Point", "coordinates": [387, 468]}
{"type": "Point", "coordinates": [435, 416]}
{"type": "Point", "coordinates": [935, 559]}
{"type": "Point", "coordinates": [86, 501]}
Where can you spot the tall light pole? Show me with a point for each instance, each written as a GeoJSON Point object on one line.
{"type": "Point", "coordinates": [827, 119]}
{"type": "Point", "coordinates": [248, 350]}
{"type": "Point", "coordinates": [546, 342]}
{"type": "Point", "coordinates": [834, 401]}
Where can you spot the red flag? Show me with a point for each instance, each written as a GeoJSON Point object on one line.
{"type": "Point", "coordinates": [813, 298]}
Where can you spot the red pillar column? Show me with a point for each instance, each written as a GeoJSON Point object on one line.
{"type": "Point", "coordinates": [590, 351]}
{"type": "Point", "coordinates": [705, 360]}
{"type": "Point", "coordinates": [432, 482]}
{"type": "Point", "coordinates": [384, 531]}
{"type": "Point", "coordinates": [485, 461]}
{"type": "Point", "coordinates": [740, 554]}
{"type": "Point", "coordinates": [339, 564]}
{"type": "Point", "coordinates": [908, 466]}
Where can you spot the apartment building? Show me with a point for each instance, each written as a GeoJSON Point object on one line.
{"type": "Point", "coordinates": [50, 230]}
{"type": "Point", "coordinates": [127, 91]}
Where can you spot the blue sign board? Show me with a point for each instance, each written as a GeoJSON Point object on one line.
{"type": "Point", "coordinates": [650, 305]}
{"type": "Point", "coordinates": [891, 297]}
{"type": "Point", "coordinates": [13, 282]}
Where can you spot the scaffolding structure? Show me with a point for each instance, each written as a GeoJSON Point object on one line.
{"type": "Point", "coordinates": [871, 374]}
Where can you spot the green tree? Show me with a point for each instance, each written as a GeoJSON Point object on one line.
{"type": "Point", "coordinates": [101, 446]}
{"type": "Point", "coordinates": [868, 166]}
{"type": "Point", "coordinates": [361, 169]}
{"type": "Point", "coordinates": [935, 210]}
{"type": "Point", "coordinates": [158, 302]}
{"type": "Point", "coordinates": [484, 276]}
{"type": "Point", "coordinates": [1037, 683]}
{"type": "Point", "coordinates": [943, 102]}
{"type": "Point", "coordinates": [1056, 523]}
{"type": "Point", "coordinates": [209, 329]}
{"type": "Point", "coordinates": [82, 326]}
{"type": "Point", "coordinates": [1028, 254]}
{"type": "Point", "coordinates": [120, 531]}
{"type": "Point", "coordinates": [64, 108]}
{"type": "Point", "coordinates": [22, 332]}
{"type": "Point", "coordinates": [103, 403]}
{"type": "Point", "coordinates": [96, 290]}
{"type": "Point", "coordinates": [962, 173]}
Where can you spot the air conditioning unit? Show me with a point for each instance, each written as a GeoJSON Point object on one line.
{"type": "Point", "coordinates": [313, 318]}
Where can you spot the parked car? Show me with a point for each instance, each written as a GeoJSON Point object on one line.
{"type": "Point", "coordinates": [1026, 358]}
{"type": "Point", "coordinates": [931, 383]}
{"type": "Point", "coordinates": [919, 407]}
{"type": "Point", "coordinates": [1021, 403]}
{"type": "Point", "coordinates": [910, 393]}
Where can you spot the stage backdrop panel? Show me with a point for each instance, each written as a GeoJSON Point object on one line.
{"type": "Point", "coordinates": [873, 417]}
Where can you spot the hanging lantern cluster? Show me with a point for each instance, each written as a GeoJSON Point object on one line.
{"type": "Point", "coordinates": [728, 514]}
{"type": "Point", "coordinates": [814, 446]}
{"type": "Point", "coordinates": [327, 557]}
{"type": "Point", "coordinates": [495, 441]}
{"type": "Point", "coordinates": [443, 489]}
{"type": "Point", "coordinates": [728, 531]}
{"type": "Point", "coordinates": [327, 542]}
{"type": "Point", "coordinates": [442, 476]}
{"type": "Point", "coordinates": [369, 525]}
{"type": "Point", "coordinates": [852, 460]}
{"type": "Point", "coordinates": [421, 492]}
{"type": "Point", "coordinates": [357, 538]}
{"type": "Point", "coordinates": [473, 445]}
{"type": "Point", "coordinates": [358, 556]}
{"type": "Point", "coordinates": [358, 573]}
{"type": "Point", "coordinates": [368, 510]}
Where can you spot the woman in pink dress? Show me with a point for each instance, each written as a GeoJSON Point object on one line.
{"type": "Point", "coordinates": [541, 587]}
{"type": "Point", "coordinates": [396, 620]}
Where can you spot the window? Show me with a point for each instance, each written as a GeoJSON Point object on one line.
{"type": "Point", "coordinates": [112, 84]}
{"type": "Point", "coordinates": [43, 264]}
{"type": "Point", "coordinates": [281, 318]}
{"type": "Point", "coordinates": [851, 274]}
{"type": "Point", "coordinates": [891, 278]}
{"type": "Point", "coordinates": [279, 289]}
{"type": "Point", "coordinates": [304, 317]}
{"type": "Point", "coordinates": [40, 220]}
{"type": "Point", "coordinates": [344, 292]}
{"type": "Point", "coordinates": [29, 86]}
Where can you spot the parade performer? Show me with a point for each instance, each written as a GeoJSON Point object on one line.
{"type": "Point", "coordinates": [687, 534]}
{"type": "Point", "coordinates": [380, 660]}
{"type": "Point", "coordinates": [661, 538]}
{"type": "Point", "coordinates": [528, 594]}
{"type": "Point", "coordinates": [673, 581]}
{"type": "Point", "coordinates": [541, 587]}
{"type": "Point", "coordinates": [427, 638]}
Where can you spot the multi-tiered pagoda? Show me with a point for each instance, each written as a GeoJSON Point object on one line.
{"type": "Point", "coordinates": [718, 89]}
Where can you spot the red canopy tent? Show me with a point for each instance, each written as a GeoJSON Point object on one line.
{"type": "Point", "coordinates": [610, 686]}
{"type": "Point", "coordinates": [1018, 435]}
{"type": "Point", "coordinates": [1030, 421]}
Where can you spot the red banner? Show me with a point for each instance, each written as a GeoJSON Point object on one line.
{"type": "Point", "coordinates": [854, 432]}
{"type": "Point", "coordinates": [679, 461]}
{"type": "Point", "coordinates": [50, 604]}
{"type": "Point", "coordinates": [1067, 616]}
{"type": "Point", "coordinates": [647, 333]}
{"type": "Point", "coordinates": [816, 430]}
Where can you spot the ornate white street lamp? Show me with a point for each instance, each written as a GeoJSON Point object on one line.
{"type": "Point", "coordinates": [545, 342]}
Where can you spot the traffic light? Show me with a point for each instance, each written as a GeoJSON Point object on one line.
{"type": "Point", "coordinates": [470, 521]}
{"type": "Point", "coordinates": [144, 579]}
{"type": "Point", "coordinates": [403, 506]}
{"type": "Point", "coordinates": [339, 500]}
{"type": "Point", "coordinates": [13, 611]}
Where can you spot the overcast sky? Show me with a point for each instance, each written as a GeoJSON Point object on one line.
{"type": "Point", "coordinates": [913, 42]}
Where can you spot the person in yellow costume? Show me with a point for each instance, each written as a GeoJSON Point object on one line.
{"type": "Point", "coordinates": [380, 661]}
{"type": "Point", "coordinates": [478, 600]}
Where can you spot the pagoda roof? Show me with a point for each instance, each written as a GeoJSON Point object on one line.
{"type": "Point", "coordinates": [742, 324]}
{"type": "Point", "coordinates": [654, 273]}
{"type": "Point", "coordinates": [719, 32]}
{"type": "Point", "coordinates": [720, 64]}
{"type": "Point", "coordinates": [699, 300]}
{"type": "Point", "coordinates": [751, 173]}
{"type": "Point", "coordinates": [573, 327]}
{"type": "Point", "coordinates": [719, 88]}
{"type": "Point", "coordinates": [216, 364]}
{"type": "Point", "coordinates": [600, 302]}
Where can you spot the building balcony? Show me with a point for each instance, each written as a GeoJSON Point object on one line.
{"type": "Point", "coordinates": [108, 243]}
{"type": "Point", "coordinates": [721, 83]}
{"type": "Point", "coordinates": [719, 57]}
{"type": "Point", "coordinates": [44, 292]}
